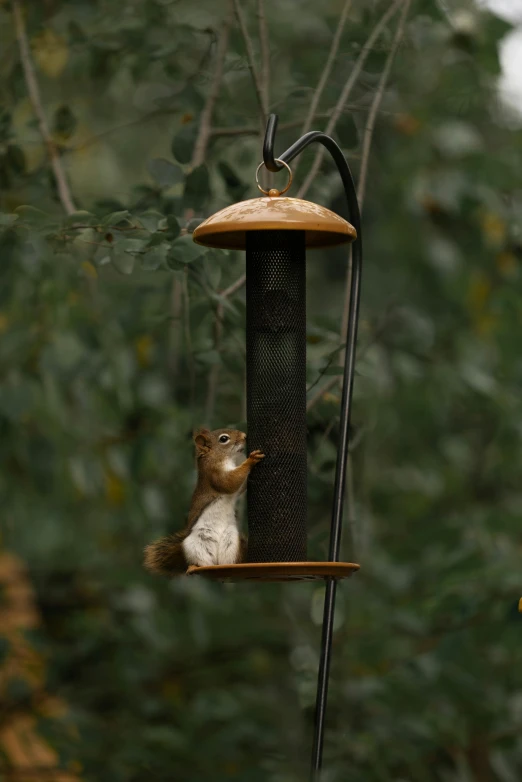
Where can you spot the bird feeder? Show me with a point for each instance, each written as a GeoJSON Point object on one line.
{"type": "Point", "coordinates": [275, 231]}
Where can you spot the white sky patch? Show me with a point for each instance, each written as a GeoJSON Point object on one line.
{"type": "Point", "coordinates": [510, 10]}
{"type": "Point", "coordinates": [510, 83]}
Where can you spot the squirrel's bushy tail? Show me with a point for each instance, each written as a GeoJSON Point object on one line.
{"type": "Point", "coordinates": [165, 556]}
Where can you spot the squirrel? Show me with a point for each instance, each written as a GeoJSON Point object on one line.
{"type": "Point", "coordinates": [211, 536]}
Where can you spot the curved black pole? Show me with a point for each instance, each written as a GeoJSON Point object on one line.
{"type": "Point", "coordinates": [346, 401]}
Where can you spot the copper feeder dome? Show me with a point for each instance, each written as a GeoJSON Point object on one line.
{"type": "Point", "coordinates": [227, 228]}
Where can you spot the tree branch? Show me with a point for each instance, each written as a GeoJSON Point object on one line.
{"type": "Point", "coordinates": [325, 75]}
{"type": "Point", "coordinates": [367, 143]}
{"type": "Point", "coordinates": [334, 116]}
{"type": "Point", "coordinates": [345, 94]}
{"type": "Point", "coordinates": [200, 149]}
{"type": "Point", "coordinates": [265, 53]}
{"type": "Point", "coordinates": [368, 136]}
{"type": "Point", "coordinates": [205, 124]}
{"type": "Point", "coordinates": [376, 103]}
{"type": "Point", "coordinates": [251, 61]}
{"type": "Point", "coordinates": [62, 185]}
{"type": "Point", "coordinates": [234, 287]}
{"type": "Point", "coordinates": [380, 329]}
{"type": "Point", "coordinates": [250, 130]}
{"type": "Point", "coordinates": [323, 390]}
{"type": "Point", "coordinates": [95, 138]}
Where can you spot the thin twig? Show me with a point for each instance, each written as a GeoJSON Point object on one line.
{"type": "Point", "coordinates": [379, 330]}
{"type": "Point", "coordinates": [205, 123]}
{"type": "Point", "coordinates": [246, 130]}
{"type": "Point", "coordinates": [345, 94]}
{"type": "Point", "coordinates": [374, 108]}
{"type": "Point", "coordinates": [62, 184]}
{"type": "Point", "coordinates": [323, 390]}
{"type": "Point", "coordinates": [324, 437]}
{"type": "Point", "coordinates": [213, 377]}
{"type": "Point", "coordinates": [251, 130]}
{"type": "Point", "coordinates": [334, 115]}
{"type": "Point", "coordinates": [325, 75]}
{"type": "Point", "coordinates": [264, 80]}
{"type": "Point", "coordinates": [367, 143]}
{"type": "Point", "coordinates": [200, 149]}
{"type": "Point", "coordinates": [265, 53]}
{"type": "Point", "coordinates": [97, 137]}
{"type": "Point", "coordinates": [324, 369]}
{"type": "Point", "coordinates": [368, 135]}
{"type": "Point", "coordinates": [234, 287]}
{"type": "Point", "coordinates": [251, 61]}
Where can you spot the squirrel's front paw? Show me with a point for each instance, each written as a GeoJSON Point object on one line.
{"type": "Point", "coordinates": [256, 456]}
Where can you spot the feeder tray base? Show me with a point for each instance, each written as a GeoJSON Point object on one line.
{"type": "Point", "coordinates": [275, 571]}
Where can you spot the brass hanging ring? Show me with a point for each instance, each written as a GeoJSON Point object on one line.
{"type": "Point", "coordinates": [273, 191]}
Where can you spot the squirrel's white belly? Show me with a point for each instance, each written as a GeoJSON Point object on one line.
{"type": "Point", "coordinates": [214, 538]}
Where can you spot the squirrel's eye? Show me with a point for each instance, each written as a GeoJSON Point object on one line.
{"type": "Point", "coordinates": [224, 438]}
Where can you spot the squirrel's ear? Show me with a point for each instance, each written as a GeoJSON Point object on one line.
{"type": "Point", "coordinates": [202, 441]}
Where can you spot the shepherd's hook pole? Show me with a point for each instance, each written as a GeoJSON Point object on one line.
{"type": "Point", "coordinates": [346, 402]}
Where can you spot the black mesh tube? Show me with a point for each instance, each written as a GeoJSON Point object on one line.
{"type": "Point", "coordinates": [276, 394]}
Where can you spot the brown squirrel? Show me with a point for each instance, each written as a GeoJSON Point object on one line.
{"type": "Point", "coordinates": [211, 536]}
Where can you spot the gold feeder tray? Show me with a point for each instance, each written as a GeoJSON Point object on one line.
{"type": "Point", "coordinates": [275, 571]}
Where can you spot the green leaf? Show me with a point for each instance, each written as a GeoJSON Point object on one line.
{"type": "Point", "coordinates": [184, 250]}
{"type": "Point", "coordinates": [132, 245]}
{"type": "Point", "coordinates": [197, 187]}
{"type": "Point", "coordinates": [235, 186]}
{"type": "Point", "coordinates": [76, 34]}
{"type": "Point", "coordinates": [34, 217]}
{"type": "Point", "coordinates": [155, 257]}
{"type": "Point", "coordinates": [123, 261]}
{"type": "Point", "coordinates": [102, 256]}
{"type": "Point", "coordinates": [172, 226]}
{"type": "Point", "coordinates": [157, 238]}
{"type": "Point", "coordinates": [183, 143]}
{"type": "Point", "coordinates": [164, 172]}
{"type": "Point", "coordinates": [15, 159]}
{"type": "Point", "coordinates": [116, 217]}
{"type": "Point", "coordinates": [5, 124]}
{"type": "Point", "coordinates": [82, 217]}
{"type": "Point", "coordinates": [7, 220]}
{"type": "Point", "coordinates": [151, 219]}
{"type": "Point", "coordinates": [64, 121]}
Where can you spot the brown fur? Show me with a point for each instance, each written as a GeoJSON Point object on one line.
{"type": "Point", "coordinates": [165, 556]}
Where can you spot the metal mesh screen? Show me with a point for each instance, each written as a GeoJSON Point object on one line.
{"type": "Point", "coordinates": [276, 394]}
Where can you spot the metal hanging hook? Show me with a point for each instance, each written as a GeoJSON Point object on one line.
{"type": "Point", "coordinates": [272, 164]}
{"type": "Point", "coordinates": [275, 164]}
{"type": "Point", "coordinates": [273, 191]}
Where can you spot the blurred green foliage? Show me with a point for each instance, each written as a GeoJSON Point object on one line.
{"type": "Point", "coordinates": [109, 356]}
